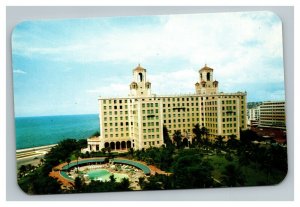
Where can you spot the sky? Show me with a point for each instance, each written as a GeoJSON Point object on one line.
{"type": "Point", "coordinates": [62, 66]}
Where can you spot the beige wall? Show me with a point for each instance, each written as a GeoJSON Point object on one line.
{"type": "Point", "coordinates": [140, 120]}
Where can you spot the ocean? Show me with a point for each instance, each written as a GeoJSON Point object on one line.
{"type": "Point", "coordinates": [46, 130]}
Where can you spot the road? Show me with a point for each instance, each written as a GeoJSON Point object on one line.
{"type": "Point", "coordinates": [31, 155]}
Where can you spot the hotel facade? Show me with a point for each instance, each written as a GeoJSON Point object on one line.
{"type": "Point", "coordinates": [137, 121]}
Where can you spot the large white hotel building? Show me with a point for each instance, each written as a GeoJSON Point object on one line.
{"type": "Point", "coordinates": [137, 121]}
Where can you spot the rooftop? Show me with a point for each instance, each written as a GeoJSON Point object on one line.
{"type": "Point", "coordinates": [139, 68]}
{"type": "Point", "coordinates": [175, 95]}
{"type": "Point", "coordinates": [206, 68]}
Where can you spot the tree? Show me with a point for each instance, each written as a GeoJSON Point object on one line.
{"type": "Point", "coordinates": [36, 182]}
{"type": "Point", "coordinates": [219, 143]}
{"type": "Point", "coordinates": [131, 151]}
{"type": "Point", "coordinates": [232, 176]}
{"type": "Point", "coordinates": [42, 160]}
{"type": "Point", "coordinates": [192, 171]}
{"type": "Point", "coordinates": [244, 159]}
{"type": "Point", "coordinates": [247, 136]}
{"type": "Point", "coordinates": [95, 134]}
{"type": "Point", "coordinates": [103, 150]}
{"type": "Point", "coordinates": [78, 185]}
{"type": "Point", "coordinates": [82, 143]}
{"type": "Point", "coordinates": [112, 179]}
{"type": "Point", "coordinates": [77, 154]}
{"type": "Point", "coordinates": [166, 136]}
{"type": "Point", "coordinates": [204, 133]}
{"type": "Point", "coordinates": [22, 171]}
{"type": "Point", "coordinates": [61, 152]}
{"type": "Point", "coordinates": [123, 185]}
{"type": "Point", "coordinates": [108, 149]}
{"type": "Point", "coordinates": [232, 142]}
{"type": "Point", "coordinates": [177, 137]}
{"type": "Point", "coordinates": [198, 134]}
{"type": "Point", "coordinates": [68, 160]}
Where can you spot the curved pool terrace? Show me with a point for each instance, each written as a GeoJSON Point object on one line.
{"type": "Point", "coordinates": [93, 161]}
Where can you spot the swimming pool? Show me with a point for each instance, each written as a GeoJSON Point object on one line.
{"type": "Point", "coordinates": [103, 175]}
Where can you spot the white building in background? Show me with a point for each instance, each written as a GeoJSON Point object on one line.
{"type": "Point", "coordinates": [137, 121]}
{"type": "Point", "coordinates": [253, 116]}
{"type": "Point", "coordinates": [272, 114]}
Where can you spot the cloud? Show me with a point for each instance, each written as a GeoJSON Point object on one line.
{"type": "Point", "coordinates": [111, 90]}
{"type": "Point", "coordinates": [19, 72]}
{"type": "Point", "coordinates": [197, 38]}
{"type": "Point", "coordinates": [244, 48]}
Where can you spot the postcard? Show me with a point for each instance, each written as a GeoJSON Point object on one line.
{"type": "Point", "coordinates": [160, 102]}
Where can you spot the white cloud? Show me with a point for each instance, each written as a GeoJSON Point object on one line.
{"type": "Point", "coordinates": [111, 90]}
{"type": "Point", "coordinates": [197, 38]}
{"type": "Point", "coordinates": [236, 45]}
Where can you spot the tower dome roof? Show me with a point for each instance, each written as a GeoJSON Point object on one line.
{"type": "Point", "coordinates": [139, 68]}
{"type": "Point", "coordinates": [206, 68]}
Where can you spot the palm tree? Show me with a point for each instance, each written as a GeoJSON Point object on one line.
{"type": "Point", "coordinates": [109, 151]}
{"type": "Point", "coordinates": [77, 153]}
{"type": "Point", "coordinates": [204, 133]}
{"type": "Point", "coordinates": [68, 160]}
{"type": "Point", "coordinates": [219, 143]}
{"type": "Point", "coordinates": [177, 137]}
{"type": "Point", "coordinates": [166, 137]}
{"type": "Point", "coordinates": [103, 150]}
{"type": "Point", "coordinates": [78, 185]}
{"type": "Point", "coordinates": [198, 134]}
{"type": "Point", "coordinates": [131, 151]}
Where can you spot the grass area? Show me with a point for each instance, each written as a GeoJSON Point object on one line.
{"type": "Point", "coordinates": [253, 174]}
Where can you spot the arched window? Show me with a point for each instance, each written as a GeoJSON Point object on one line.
{"type": "Point", "coordinates": [141, 77]}
{"type": "Point", "coordinates": [208, 76]}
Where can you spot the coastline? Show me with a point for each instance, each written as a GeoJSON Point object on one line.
{"type": "Point", "coordinates": [32, 155]}
{"type": "Point", "coordinates": [35, 148]}
{"type": "Point", "coordinates": [33, 151]}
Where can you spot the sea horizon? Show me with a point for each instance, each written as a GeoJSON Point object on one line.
{"type": "Point", "coordinates": [55, 115]}
{"type": "Point", "coordinates": [36, 131]}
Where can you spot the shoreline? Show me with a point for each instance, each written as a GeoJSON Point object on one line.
{"type": "Point", "coordinates": [35, 148]}
{"type": "Point", "coordinates": [33, 151]}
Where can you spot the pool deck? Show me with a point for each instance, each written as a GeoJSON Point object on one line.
{"type": "Point", "coordinates": [68, 183]}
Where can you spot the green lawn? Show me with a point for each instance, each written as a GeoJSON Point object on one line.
{"type": "Point", "coordinates": [253, 174]}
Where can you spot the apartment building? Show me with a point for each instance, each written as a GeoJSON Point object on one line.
{"type": "Point", "coordinates": [272, 114]}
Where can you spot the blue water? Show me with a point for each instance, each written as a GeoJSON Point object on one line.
{"type": "Point", "coordinates": [45, 130]}
{"type": "Point", "coordinates": [103, 175]}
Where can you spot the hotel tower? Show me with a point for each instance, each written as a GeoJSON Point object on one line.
{"type": "Point", "coordinates": [137, 121]}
